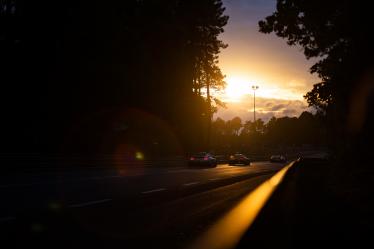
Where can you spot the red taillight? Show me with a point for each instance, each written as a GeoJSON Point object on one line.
{"type": "Point", "coordinates": [192, 158]}
{"type": "Point", "coordinates": [206, 158]}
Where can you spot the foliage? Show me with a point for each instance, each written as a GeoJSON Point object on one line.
{"type": "Point", "coordinates": [72, 68]}
{"type": "Point", "coordinates": [232, 135]}
{"type": "Point", "coordinates": [338, 33]}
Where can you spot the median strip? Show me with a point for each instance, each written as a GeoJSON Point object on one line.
{"type": "Point", "coordinates": [89, 203]}
{"type": "Point", "coordinates": [227, 232]}
{"type": "Point", "coordinates": [153, 190]}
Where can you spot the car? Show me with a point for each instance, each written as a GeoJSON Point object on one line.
{"type": "Point", "coordinates": [278, 159]}
{"type": "Point", "coordinates": [239, 159]}
{"type": "Point", "coordinates": [202, 159]}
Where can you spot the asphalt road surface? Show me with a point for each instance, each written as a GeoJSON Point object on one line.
{"type": "Point", "coordinates": [150, 207]}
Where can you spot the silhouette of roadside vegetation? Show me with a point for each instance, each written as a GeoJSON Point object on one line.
{"type": "Point", "coordinates": [329, 199]}
{"type": "Point", "coordinates": [338, 33]}
{"type": "Point", "coordinates": [78, 76]}
{"type": "Point", "coordinates": [284, 134]}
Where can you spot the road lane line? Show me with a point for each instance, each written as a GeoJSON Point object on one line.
{"type": "Point", "coordinates": [89, 203]}
{"type": "Point", "coordinates": [153, 190]}
{"type": "Point", "coordinates": [190, 183]}
{"type": "Point", "coordinates": [214, 179]}
{"type": "Point", "coordinates": [5, 219]}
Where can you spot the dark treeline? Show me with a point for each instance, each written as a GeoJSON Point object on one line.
{"type": "Point", "coordinates": [277, 135]}
{"type": "Point", "coordinates": [88, 76]}
{"type": "Point", "coordinates": [339, 34]}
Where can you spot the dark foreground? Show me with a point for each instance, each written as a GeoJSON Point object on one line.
{"type": "Point", "coordinates": [137, 208]}
{"type": "Point", "coordinates": [317, 206]}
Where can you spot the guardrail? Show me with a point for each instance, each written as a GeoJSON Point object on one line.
{"type": "Point", "coordinates": [227, 232]}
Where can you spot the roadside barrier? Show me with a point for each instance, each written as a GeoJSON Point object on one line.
{"type": "Point", "coordinates": [227, 232]}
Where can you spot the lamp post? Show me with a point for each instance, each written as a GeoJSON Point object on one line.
{"type": "Point", "coordinates": [254, 88]}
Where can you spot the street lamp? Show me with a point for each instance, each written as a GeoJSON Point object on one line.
{"type": "Point", "coordinates": [254, 88]}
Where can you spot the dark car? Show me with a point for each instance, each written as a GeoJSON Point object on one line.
{"type": "Point", "coordinates": [202, 159]}
{"type": "Point", "coordinates": [239, 159]}
{"type": "Point", "coordinates": [278, 159]}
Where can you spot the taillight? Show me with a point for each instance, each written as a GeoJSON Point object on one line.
{"type": "Point", "coordinates": [206, 158]}
{"type": "Point", "coordinates": [192, 158]}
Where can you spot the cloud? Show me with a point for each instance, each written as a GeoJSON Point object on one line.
{"type": "Point", "coordinates": [277, 107]}
{"type": "Point", "coordinates": [265, 109]}
{"type": "Point", "coordinates": [290, 112]}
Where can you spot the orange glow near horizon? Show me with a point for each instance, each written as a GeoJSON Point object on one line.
{"type": "Point", "coordinates": [254, 58]}
{"type": "Point", "coordinates": [239, 86]}
{"type": "Point", "coordinates": [236, 88]}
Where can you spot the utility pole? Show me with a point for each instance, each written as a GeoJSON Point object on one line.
{"type": "Point", "coordinates": [254, 88]}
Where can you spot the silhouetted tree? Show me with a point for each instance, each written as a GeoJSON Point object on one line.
{"type": "Point", "coordinates": [73, 69]}
{"type": "Point", "coordinates": [234, 125]}
{"type": "Point", "coordinates": [338, 33]}
{"type": "Point", "coordinates": [277, 133]}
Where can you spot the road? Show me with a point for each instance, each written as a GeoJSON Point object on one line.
{"type": "Point", "coordinates": [157, 207]}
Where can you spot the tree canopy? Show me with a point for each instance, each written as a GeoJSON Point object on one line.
{"type": "Point", "coordinates": [338, 34]}
{"type": "Point", "coordinates": [72, 68]}
{"type": "Point", "coordinates": [283, 132]}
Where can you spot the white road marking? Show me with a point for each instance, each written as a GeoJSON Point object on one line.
{"type": "Point", "coordinates": [5, 219]}
{"type": "Point", "coordinates": [153, 190]}
{"type": "Point", "coordinates": [190, 183]}
{"type": "Point", "coordinates": [89, 203]}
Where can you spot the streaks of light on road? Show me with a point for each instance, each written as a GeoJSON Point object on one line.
{"type": "Point", "coordinates": [89, 203]}
{"type": "Point", "coordinates": [153, 190]}
{"type": "Point", "coordinates": [190, 183]}
{"type": "Point", "coordinates": [214, 179]}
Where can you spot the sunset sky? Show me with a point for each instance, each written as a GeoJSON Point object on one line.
{"type": "Point", "coordinates": [254, 58]}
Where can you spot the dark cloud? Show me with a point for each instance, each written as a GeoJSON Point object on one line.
{"type": "Point", "coordinates": [269, 104]}
{"type": "Point", "coordinates": [277, 107]}
{"type": "Point", "coordinates": [264, 116]}
{"type": "Point", "coordinates": [290, 112]}
{"type": "Point", "coordinates": [265, 109]}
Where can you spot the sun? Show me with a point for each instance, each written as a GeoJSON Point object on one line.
{"type": "Point", "coordinates": [236, 88]}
